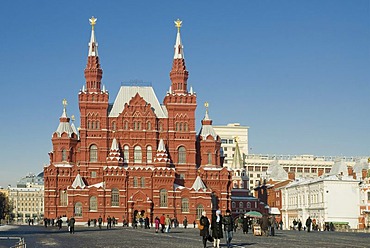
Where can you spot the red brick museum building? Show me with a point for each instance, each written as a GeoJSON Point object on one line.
{"type": "Point", "coordinates": [135, 154]}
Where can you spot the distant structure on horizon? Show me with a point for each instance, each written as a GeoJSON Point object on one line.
{"type": "Point", "coordinates": [135, 156]}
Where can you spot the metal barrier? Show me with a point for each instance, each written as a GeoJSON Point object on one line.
{"type": "Point", "coordinates": [19, 244]}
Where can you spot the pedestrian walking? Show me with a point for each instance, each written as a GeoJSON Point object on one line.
{"type": "Point", "coordinates": [162, 222]}
{"type": "Point", "coordinates": [228, 223]}
{"type": "Point", "coordinates": [204, 228]}
{"type": "Point", "coordinates": [100, 221]}
{"type": "Point", "coordinates": [265, 224]}
{"type": "Point", "coordinates": [185, 222]}
{"type": "Point", "coordinates": [245, 224]}
{"type": "Point", "coordinates": [156, 223]}
{"type": "Point", "coordinates": [71, 225]}
{"type": "Point", "coordinates": [308, 224]}
{"type": "Point", "coordinates": [168, 223]}
{"type": "Point", "coordinates": [109, 222]}
{"type": "Point", "coordinates": [216, 227]}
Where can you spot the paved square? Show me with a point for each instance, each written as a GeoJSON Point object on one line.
{"type": "Point", "coordinates": [38, 236]}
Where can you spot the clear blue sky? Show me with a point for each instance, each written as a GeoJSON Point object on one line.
{"type": "Point", "coordinates": [296, 72]}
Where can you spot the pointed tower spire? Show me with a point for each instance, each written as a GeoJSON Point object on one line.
{"type": "Point", "coordinates": [114, 153]}
{"type": "Point", "coordinates": [64, 125]}
{"type": "Point", "coordinates": [237, 160]}
{"type": "Point", "coordinates": [93, 72]}
{"type": "Point", "coordinates": [161, 155]}
{"type": "Point", "coordinates": [179, 74]}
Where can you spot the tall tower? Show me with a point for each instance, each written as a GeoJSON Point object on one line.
{"type": "Point", "coordinates": [93, 103]}
{"type": "Point", "coordinates": [181, 105]}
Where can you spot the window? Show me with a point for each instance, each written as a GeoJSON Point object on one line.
{"type": "Point", "coordinates": [64, 155]}
{"type": "Point", "coordinates": [93, 174]}
{"type": "Point", "coordinates": [225, 149]}
{"type": "Point", "coordinates": [224, 141]}
{"type": "Point", "coordinates": [78, 209]}
{"type": "Point", "coordinates": [163, 198]}
{"type": "Point", "coordinates": [241, 205]}
{"type": "Point", "coordinates": [115, 198]}
{"type": "Point", "coordinates": [186, 126]}
{"type": "Point", "coordinates": [126, 154]}
{"type": "Point", "coordinates": [149, 155]}
{"type": "Point", "coordinates": [142, 182]}
{"type": "Point", "coordinates": [233, 205]}
{"type": "Point", "coordinates": [148, 125]}
{"type": "Point", "coordinates": [135, 182]}
{"type": "Point", "coordinates": [125, 125]}
{"type": "Point", "coordinates": [182, 155]}
{"type": "Point", "coordinates": [248, 205]}
{"type": "Point", "coordinates": [209, 158]}
{"type": "Point", "coordinates": [93, 153]}
{"type": "Point", "coordinates": [160, 127]}
{"type": "Point", "coordinates": [93, 203]}
{"type": "Point", "coordinates": [63, 198]}
{"type": "Point", "coordinates": [137, 154]}
{"type": "Point", "coordinates": [231, 141]}
{"type": "Point", "coordinates": [114, 126]}
{"type": "Point", "coordinates": [185, 205]}
{"type": "Point", "coordinates": [368, 196]}
{"type": "Point", "coordinates": [200, 210]}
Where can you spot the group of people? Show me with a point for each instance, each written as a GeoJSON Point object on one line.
{"type": "Point", "coordinates": [312, 224]}
{"type": "Point", "coordinates": [213, 230]}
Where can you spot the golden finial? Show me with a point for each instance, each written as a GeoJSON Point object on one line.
{"type": "Point", "coordinates": [73, 117]}
{"type": "Point", "coordinates": [178, 24]}
{"type": "Point", "coordinates": [64, 102]}
{"type": "Point", "coordinates": [93, 21]}
{"type": "Point", "coordinates": [236, 138]}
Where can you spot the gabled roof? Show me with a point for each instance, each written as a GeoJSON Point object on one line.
{"type": "Point", "coordinates": [126, 93]}
{"type": "Point", "coordinates": [78, 182]}
{"type": "Point", "coordinates": [199, 185]}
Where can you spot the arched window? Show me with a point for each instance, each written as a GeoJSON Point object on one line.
{"type": "Point", "coordinates": [248, 205]}
{"type": "Point", "coordinates": [149, 155]}
{"type": "Point", "coordinates": [88, 125]}
{"type": "Point", "coordinates": [148, 125]}
{"type": "Point", "coordinates": [93, 203]}
{"type": "Point", "coordinates": [182, 155]}
{"type": "Point", "coordinates": [160, 127]}
{"type": "Point", "coordinates": [185, 126]}
{"type": "Point", "coordinates": [142, 182]}
{"type": "Point", "coordinates": [163, 198]}
{"type": "Point", "coordinates": [209, 156]}
{"type": "Point", "coordinates": [114, 126]}
{"type": "Point", "coordinates": [97, 125]}
{"type": "Point", "coordinates": [200, 210]}
{"type": "Point", "coordinates": [64, 155]}
{"type": "Point", "coordinates": [135, 182]}
{"type": "Point", "coordinates": [180, 127]}
{"type": "Point", "coordinates": [185, 205]}
{"type": "Point", "coordinates": [78, 209]}
{"type": "Point", "coordinates": [115, 198]}
{"type": "Point", "coordinates": [241, 205]}
{"type": "Point", "coordinates": [93, 125]}
{"type": "Point", "coordinates": [233, 205]}
{"type": "Point", "coordinates": [93, 153]}
{"type": "Point", "coordinates": [137, 154]}
{"type": "Point", "coordinates": [139, 125]}
{"type": "Point", "coordinates": [177, 126]}
{"type": "Point", "coordinates": [126, 154]}
{"type": "Point", "coordinates": [63, 198]}
{"type": "Point", "coordinates": [125, 125]}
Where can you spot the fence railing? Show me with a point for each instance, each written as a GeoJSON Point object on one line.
{"type": "Point", "coordinates": [19, 244]}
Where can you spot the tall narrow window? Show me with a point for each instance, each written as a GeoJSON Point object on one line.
{"type": "Point", "coordinates": [209, 155]}
{"type": "Point", "coordinates": [93, 153]}
{"type": "Point", "coordinates": [148, 125]}
{"type": "Point", "coordinates": [142, 182]}
{"type": "Point", "coordinates": [126, 154]}
{"type": "Point", "coordinates": [115, 198]}
{"type": "Point", "coordinates": [135, 182]}
{"type": "Point", "coordinates": [149, 154]}
{"type": "Point", "coordinates": [185, 205]}
{"type": "Point", "coordinates": [185, 126]}
{"type": "Point", "coordinates": [182, 155]}
{"type": "Point", "coordinates": [163, 198]}
{"type": "Point", "coordinates": [78, 209]}
{"type": "Point", "coordinates": [63, 198]}
{"type": "Point", "coordinates": [137, 154]}
{"type": "Point", "coordinates": [125, 125]}
{"type": "Point", "coordinates": [93, 203]}
{"type": "Point", "coordinates": [114, 127]}
{"type": "Point", "coordinates": [200, 210]}
{"type": "Point", "coordinates": [64, 155]}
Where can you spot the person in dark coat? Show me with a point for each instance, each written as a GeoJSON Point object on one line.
{"type": "Point", "coordinates": [265, 224]}
{"type": "Point", "coordinates": [228, 223]}
{"type": "Point", "coordinates": [71, 224]}
{"type": "Point", "coordinates": [216, 227]}
{"type": "Point", "coordinates": [245, 224]}
{"type": "Point", "coordinates": [299, 225]}
{"type": "Point", "coordinates": [204, 221]}
{"type": "Point", "coordinates": [308, 224]}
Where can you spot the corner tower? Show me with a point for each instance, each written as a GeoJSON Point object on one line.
{"type": "Point", "coordinates": [93, 104]}
{"type": "Point", "coordinates": [181, 104]}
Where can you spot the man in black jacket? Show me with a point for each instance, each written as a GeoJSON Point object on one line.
{"type": "Point", "coordinates": [228, 227]}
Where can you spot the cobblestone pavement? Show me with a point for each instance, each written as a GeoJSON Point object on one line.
{"type": "Point", "coordinates": [38, 236]}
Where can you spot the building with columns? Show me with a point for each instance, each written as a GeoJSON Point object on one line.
{"type": "Point", "coordinates": [135, 154]}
